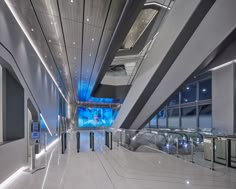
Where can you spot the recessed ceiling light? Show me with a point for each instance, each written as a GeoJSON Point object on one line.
{"type": "Point", "coordinates": [49, 40]}
{"type": "Point", "coordinates": [87, 19]}
{"type": "Point", "coordinates": [32, 29]}
{"type": "Point", "coordinates": [72, 1]}
{"type": "Point", "coordinates": [52, 23]}
{"type": "Point", "coordinates": [92, 39]}
{"type": "Point", "coordinates": [74, 43]}
{"type": "Point", "coordinates": [45, 56]}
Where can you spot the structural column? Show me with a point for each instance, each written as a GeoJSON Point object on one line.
{"type": "Point", "coordinates": [223, 99]}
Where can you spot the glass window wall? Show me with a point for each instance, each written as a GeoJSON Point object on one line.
{"type": "Point", "coordinates": [188, 117]}
{"type": "Point", "coordinates": [205, 117]}
{"type": "Point", "coordinates": [188, 93]}
{"type": "Point", "coordinates": [205, 89]}
{"type": "Point", "coordinates": [173, 118]}
{"type": "Point", "coordinates": [161, 119]}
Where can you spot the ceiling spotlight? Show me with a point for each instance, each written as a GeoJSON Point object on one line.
{"type": "Point", "coordinates": [90, 54]}
{"type": "Point", "coordinates": [32, 29]}
{"type": "Point", "coordinates": [203, 90]}
{"type": "Point", "coordinates": [187, 182]}
{"type": "Point", "coordinates": [49, 40]}
{"type": "Point", "coordinates": [92, 39]}
{"type": "Point", "coordinates": [187, 88]}
{"type": "Point", "coordinates": [51, 23]}
{"type": "Point", "coordinates": [45, 56]}
{"type": "Point", "coordinates": [74, 43]}
{"type": "Point", "coordinates": [87, 19]}
{"type": "Point", "coordinates": [72, 1]}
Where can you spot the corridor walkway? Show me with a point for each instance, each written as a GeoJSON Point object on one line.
{"type": "Point", "coordinates": [117, 169]}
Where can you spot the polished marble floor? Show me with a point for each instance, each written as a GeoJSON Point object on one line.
{"type": "Point", "coordinates": [117, 169]}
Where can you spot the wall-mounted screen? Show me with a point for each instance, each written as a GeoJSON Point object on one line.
{"type": "Point", "coordinates": [96, 117]}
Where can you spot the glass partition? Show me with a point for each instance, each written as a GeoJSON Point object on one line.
{"type": "Point", "coordinates": [188, 117]}
{"type": "Point", "coordinates": [173, 118]}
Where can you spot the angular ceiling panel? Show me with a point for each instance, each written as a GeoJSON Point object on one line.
{"type": "Point", "coordinates": [95, 12]}
{"type": "Point", "coordinates": [73, 33]}
{"type": "Point", "coordinates": [48, 7]}
{"type": "Point", "coordinates": [72, 10]}
{"type": "Point", "coordinates": [52, 28]}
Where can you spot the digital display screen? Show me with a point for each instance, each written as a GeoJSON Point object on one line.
{"type": "Point", "coordinates": [96, 117]}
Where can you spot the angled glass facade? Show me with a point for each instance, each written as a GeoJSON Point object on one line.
{"type": "Point", "coordinates": [189, 108]}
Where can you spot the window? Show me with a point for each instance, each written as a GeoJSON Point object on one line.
{"type": "Point", "coordinates": [188, 93]}
{"type": "Point", "coordinates": [205, 116]}
{"type": "Point", "coordinates": [173, 118]}
{"type": "Point", "coordinates": [174, 100]}
{"type": "Point", "coordinates": [205, 89]}
{"type": "Point", "coordinates": [153, 122]}
{"type": "Point", "coordinates": [161, 119]}
{"type": "Point", "coordinates": [189, 119]}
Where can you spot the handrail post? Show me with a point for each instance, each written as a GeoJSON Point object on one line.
{"type": "Point", "coordinates": [177, 147]}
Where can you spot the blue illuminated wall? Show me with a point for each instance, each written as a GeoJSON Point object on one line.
{"type": "Point", "coordinates": [96, 117]}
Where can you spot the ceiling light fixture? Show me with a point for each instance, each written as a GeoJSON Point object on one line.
{"type": "Point", "coordinates": [92, 39]}
{"type": "Point", "coordinates": [32, 29]}
{"type": "Point", "coordinates": [90, 54]}
{"type": "Point", "coordinates": [74, 43]}
{"type": "Point", "coordinates": [158, 4]}
{"type": "Point", "coordinates": [49, 40]}
{"type": "Point", "coordinates": [87, 19]}
{"type": "Point", "coordinates": [34, 47]}
{"type": "Point", "coordinates": [45, 56]}
{"type": "Point", "coordinates": [46, 124]}
{"type": "Point", "coordinates": [72, 1]}
{"type": "Point", "coordinates": [223, 65]}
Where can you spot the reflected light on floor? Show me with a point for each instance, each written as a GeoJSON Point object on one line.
{"type": "Point", "coordinates": [10, 179]}
{"type": "Point", "coordinates": [48, 148]}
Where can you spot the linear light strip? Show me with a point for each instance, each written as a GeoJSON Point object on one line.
{"type": "Point", "coordinates": [47, 147]}
{"type": "Point", "coordinates": [45, 124]}
{"type": "Point", "coordinates": [10, 179]}
{"type": "Point", "coordinates": [222, 65]}
{"type": "Point", "coordinates": [46, 173]}
{"type": "Point", "coordinates": [158, 4]}
{"type": "Point", "coordinates": [34, 47]}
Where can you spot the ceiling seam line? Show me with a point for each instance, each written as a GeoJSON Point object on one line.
{"type": "Point", "coordinates": [82, 46]}
{"type": "Point", "coordinates": [103, 29]}
{"type": "Point", "coordinates": [63, 34]}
